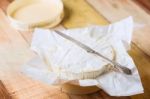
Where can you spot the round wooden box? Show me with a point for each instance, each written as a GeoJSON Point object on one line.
{"type": "Point", "coordinates": [30, 14]}
{"type": "Point", "coordinates": [78, 90]}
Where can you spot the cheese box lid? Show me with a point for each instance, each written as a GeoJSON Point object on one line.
{"type": "Point", "coordinates": [30, 14]}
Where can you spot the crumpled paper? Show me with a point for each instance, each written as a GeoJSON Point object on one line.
{"type": "Point", "coordinates": [112, 82]}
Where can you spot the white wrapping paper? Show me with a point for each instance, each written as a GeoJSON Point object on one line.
{"type": "Point", "coordinates": [114, 83]}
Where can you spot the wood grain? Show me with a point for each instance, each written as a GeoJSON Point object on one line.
{"type": "Point", "coordinates": [79, 14]}
{"type": "Point", "coordinates": [140, 36]}
{"type": "Point", "coordinates": [14, 51]}
{"type": "Point", "coordinates": [18, 85]}
{"type": "Point", "coordinates": [142, 62]}
{"type": "Point", "coordinates": [145, 3]}
{"type": "Point", "coordinates": [3, 92]}
{"type": "Point", "coordinates": [143, 6]}
{"type": "Point", "coordinates": [118, 9]}
{"type": "Point", "coordinates": [4, 4]}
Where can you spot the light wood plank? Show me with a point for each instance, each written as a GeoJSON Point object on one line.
{"type": "Point", "coordinates": [24, 88]}
{"type": "Point", "coordinates": [119, 9]}
{"type": "Point", "coordinates": [141, 59]}
{"type": "Point", "coordinates": [142, 62]}
{"type": "Point", "coordinates": [14, 52]}
{"type": "Point", "coordinates": [13, 48]}
{"type": "Point", "coordinates": [79, 14]}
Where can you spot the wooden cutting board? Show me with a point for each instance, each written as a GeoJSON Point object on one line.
{"type": "Point", "coordinates": [14, 47]}
{"type": "Point", "coordinates": [3, 92]}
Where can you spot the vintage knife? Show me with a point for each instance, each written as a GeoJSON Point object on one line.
{"type": "Point", "coordinates": [116, 65]}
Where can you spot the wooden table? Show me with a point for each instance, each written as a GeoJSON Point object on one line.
{"type": "Point", "coordinates": [14, 47]}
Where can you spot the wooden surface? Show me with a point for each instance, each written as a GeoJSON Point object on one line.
{"type": "Point", "coordinates": [3, 92]}
{"type": "Point", "coordinates": [144, 3]}
{"type": "Point", "coordinates": [118, 9]}
{"type": "Point", "coordinates": [14, 47]}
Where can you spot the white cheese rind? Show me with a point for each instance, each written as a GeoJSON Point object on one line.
{"type": "Point", "coordinates": [70, 61]}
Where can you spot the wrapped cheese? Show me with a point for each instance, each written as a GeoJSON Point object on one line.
{"type": "Point", "coordinates": [69, 60]}
{"type": "Point", "coordinates": [60, 61]}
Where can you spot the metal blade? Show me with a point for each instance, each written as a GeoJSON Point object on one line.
{"type": "Point", "coordinates": [90, 50]}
